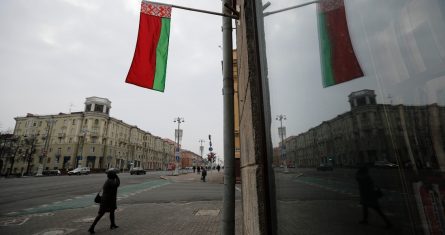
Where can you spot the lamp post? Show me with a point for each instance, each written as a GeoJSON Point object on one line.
{"type": "Point", "coordinates": [179, 120]}
{"type": "Point", "coordinates": [201, 148]}
{"type": "Point", "coordinates": [281, 133]}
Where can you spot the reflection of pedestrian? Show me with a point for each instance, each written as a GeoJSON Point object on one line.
{"type": "Point", "coordinates": [218, 168]}
{"type": "Point", "coordinates": [369, 196]}
{"type": "Point", "coordinates": [108, 200]}
{"type": "Point", "coordinates": [204, 174]}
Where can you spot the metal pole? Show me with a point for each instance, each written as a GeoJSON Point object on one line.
{"type": "Point", "coordinates": [228, 216]}
{"type": "Point", "coordinates": [287, 8]}
{"type": "Point", "coordinates": [179, 120]}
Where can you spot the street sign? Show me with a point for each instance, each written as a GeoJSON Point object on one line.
{"type": "Point", "coordinates": [177, 158]}
{"type": "Point", "coordinates": [210, 149]}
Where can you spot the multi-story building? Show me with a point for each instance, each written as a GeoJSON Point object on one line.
{"type": "Point", "coordinates": [90, 138]}
{"type": "Point", "coordinates": [190, 159]}
{"type": "Point", "coordinates": [372, 132]}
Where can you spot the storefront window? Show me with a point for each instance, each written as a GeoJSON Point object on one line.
{"type": "Point", "coordinates": [357, 116]}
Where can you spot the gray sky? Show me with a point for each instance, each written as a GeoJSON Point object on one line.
{"type": "Point", "coordinates": [57, 52]}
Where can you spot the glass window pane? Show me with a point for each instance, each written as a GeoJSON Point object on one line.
{"type": "Point", "coordinates": [357, 95]}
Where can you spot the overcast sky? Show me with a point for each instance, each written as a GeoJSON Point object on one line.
{"type": "Point", "coordinates": [54, 53]}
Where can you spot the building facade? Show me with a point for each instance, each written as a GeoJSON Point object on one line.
{"type": "Point", "coordinates": [372, 132]}
{"type": "Point", "coordinates": [190, 159]}
{"type": "Point", "coordinates": [90, 138]}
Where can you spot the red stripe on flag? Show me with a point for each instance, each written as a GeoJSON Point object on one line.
{"type": "Point", "coordinates": [143, 66]}
{"type": "Point", "coordinates": [344, 62]}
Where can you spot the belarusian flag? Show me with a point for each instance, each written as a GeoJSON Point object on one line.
{"type": "Point", "coordinates": [338, 60]}
{"type": "Point", "coordinates": [149, 65]}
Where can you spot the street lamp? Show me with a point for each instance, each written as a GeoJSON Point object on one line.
{"type": "Point", "coordinates": [201, 148]}
{"type": "Point", "coordinates": [179, 120]}
{"type": "Point", "coordinates": [282, 133]}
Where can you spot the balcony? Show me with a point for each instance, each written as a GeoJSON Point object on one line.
{"type": "Point", "coordinates": [61, 135]}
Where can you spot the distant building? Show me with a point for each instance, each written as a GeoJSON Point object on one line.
{"type": "Point", "coordinates": [372, 132]}
{"type": "Point", "coordinates": [190, 159]}
{"type": "Point", "coordinates": [90, 138]}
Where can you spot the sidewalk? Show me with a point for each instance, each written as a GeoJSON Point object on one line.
{"type": "Point", "coordinates": [190, 218]}
{"type": "Point", "coordinates": [213, 177]}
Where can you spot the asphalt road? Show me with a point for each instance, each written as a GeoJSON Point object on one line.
{"type": "Point", "coordinates": [44, 194]}
{"type": "Point", "coordinates": [308, 201]}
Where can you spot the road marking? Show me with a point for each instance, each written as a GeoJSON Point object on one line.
{"type": "Point", "coordinates": [13, 221]}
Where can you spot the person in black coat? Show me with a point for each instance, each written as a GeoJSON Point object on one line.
{"type": "Point", "coordinates": [108, 200]}
{"type": "Point", "coordinates": [369, 196]}
{"type": "Point", "coordinates": [204, 174]}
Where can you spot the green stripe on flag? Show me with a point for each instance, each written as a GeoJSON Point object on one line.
{"type": "Point", "coordinates": [161, 56]}
{"type": "Point", "coordinates": [326, 54]}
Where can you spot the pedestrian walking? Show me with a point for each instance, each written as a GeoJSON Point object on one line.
{"type": "Point", "coordinates": [108, 200]}
{"type": "Point", "coordinates": [199, 170]}
{"type": "Point", "coordinates": [204, 174]}
{"type": "Point", "coordinates": [218, 168]}
{"type": "Point", "coordinates": [194, 168]}
{"type": "Point", "coordinates": [369, 196]}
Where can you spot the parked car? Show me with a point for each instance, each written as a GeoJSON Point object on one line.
{"type": "Point", "coordinates": [79, 171]}
{"type": "Point", "coordinates": [324, 167]}
{"type": "Point", "coordinates": [385, 164]}
{"type": "Point", "coordinates": [51, 172]}
{"type": "Point", "coordinates": [137, 171]}
{"type": "Point", "coordinates": [116, 170]}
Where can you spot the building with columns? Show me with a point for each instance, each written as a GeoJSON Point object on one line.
{"type": "Point", "coordinates": [90, 138]}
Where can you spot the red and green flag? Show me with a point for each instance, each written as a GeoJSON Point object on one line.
{"type": "Point", "coordinates": [338, 61]}
{"type": "Point", "coordinates": [149, 65]}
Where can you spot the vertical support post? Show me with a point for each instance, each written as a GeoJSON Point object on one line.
{"type": "Point", "coordinates": [228, 216]}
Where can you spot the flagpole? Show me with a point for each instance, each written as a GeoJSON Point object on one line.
{"type": "Point", "coordinates": [202, 11]}
{"type": "Point", "coordinates": [288, 8]}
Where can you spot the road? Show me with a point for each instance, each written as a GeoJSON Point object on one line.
{"type": "Point", "coordinates": [29, 195]}
{"type": "Point", "coordinates": [327, 202]}
{"type": "Point", "coordinates": [308, 202]}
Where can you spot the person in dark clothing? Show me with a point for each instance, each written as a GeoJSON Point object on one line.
{"type": "Point", "coordinates": [198, 170]}
{"type": "Point", "coordinates": [369, 197]}
{"type": "Point", "coordinates": [108, 200]}
{"type": "Point", "coordinates": [218, 168]}
{"type": "Point", "coordinates": [204, 174]}
{"type": "Point", "coordinates": [194, 168]}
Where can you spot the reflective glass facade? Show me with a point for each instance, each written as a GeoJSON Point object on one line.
{"type": "Point", "coordinates": [357, 115]}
